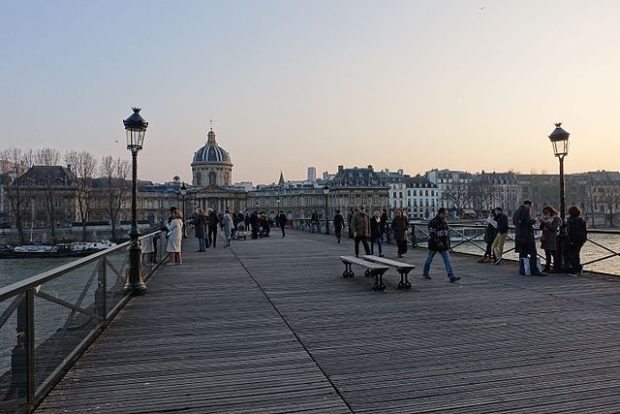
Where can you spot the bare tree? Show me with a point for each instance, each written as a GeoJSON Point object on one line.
{"type": "Point", "coordinates": [114, 172]}
{"type": "Point", "coordinates": [611, 197]}
{"type": "Point", "coordinates": [83, 164]}
{"type": "Point", "coordinates": [19, 190]}
{"type": "Point", "coordinates": [50, 157]}
{"type": "Point", "coordinates": [47, 156]}
{"type": "Point", "coordinates": [483, 194]}
{"type": "Point", "coordinates": [459, 195]}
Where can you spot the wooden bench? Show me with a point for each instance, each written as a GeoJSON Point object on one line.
{"type": "Point", "coordinates": [371, 269]}
{"type": "Point", "coordinates": [402, 268]}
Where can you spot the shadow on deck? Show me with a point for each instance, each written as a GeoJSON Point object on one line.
{"type": "Point", "coordinates": [271, 326]}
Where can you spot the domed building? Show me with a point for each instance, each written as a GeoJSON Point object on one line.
{"type": "Point", "coordinates": [212, 179]}
{"type": "Point", "coordinates": [211, 165]}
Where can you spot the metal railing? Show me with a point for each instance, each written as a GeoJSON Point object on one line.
{"type": "Point", "coordinates": [48, 320]}
{"type": "Point", "coordinates": [600, 253]}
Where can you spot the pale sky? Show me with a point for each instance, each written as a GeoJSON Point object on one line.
{"type": "Point", "coordinates": [399, 84]}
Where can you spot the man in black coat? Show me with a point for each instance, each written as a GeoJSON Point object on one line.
{"type": "Point", "coordinates": [281, 220]}
{"type": "Point", "coordinates": [525, 243]}
{"type": "Point", "coordinates": [439, 242]}
{"type": "Point", "coordinates": [338, 225]}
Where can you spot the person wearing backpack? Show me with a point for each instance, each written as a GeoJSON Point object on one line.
{"type": "Point", "coordinates": [577, 236]}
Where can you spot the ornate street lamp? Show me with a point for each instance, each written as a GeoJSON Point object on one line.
{"type": "Point", "coordinates": [135, 129]}
{"type": "Point", "coordinates": [182, 193]}
{"type": "Point", "coordinates": [326, 192]}
{"type": "Point", "coordinates": [559, 140]}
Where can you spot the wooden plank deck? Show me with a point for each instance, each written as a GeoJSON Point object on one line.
{"type": "Point", "coordinates": [271, 326]}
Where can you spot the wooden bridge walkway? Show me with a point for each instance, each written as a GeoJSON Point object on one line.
{"type": "Point", "coordinates": [270, 326]}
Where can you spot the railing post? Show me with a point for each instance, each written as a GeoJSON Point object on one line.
{"type": "Point", "coordinates": [30, 346]}
{"type": "Point", "coordinates": [22, 356]}
{"type": "Point", "coordinates": [19, 354]}
{"type": "Point", "coordinates": [101, 292]}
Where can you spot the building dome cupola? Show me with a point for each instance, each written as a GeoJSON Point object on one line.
{"type": "Point", "coordinates": [211, 152]}
{"type": "Point", "coordinates": [211, 164]}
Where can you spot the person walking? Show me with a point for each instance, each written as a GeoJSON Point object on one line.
{"type": "Point", "coordinates": [281, 220]}
{"type": "Point", "coordinates": [214, 220]}
{"type": "Point", "coordinates": [577, 231]}
{"type": "Point", "coordinates": [175, 236]}
{"type": "Point", "coordinates": [525, 244]}
{"type": "Point", "coordinates": [338, 225]}
{"type": "Point", "coordinates": [350, 215]}
{"type": "Point", "coordinates": [376, 233]}
{"type": "Point", "coordinates": [550, 224]}
{"type": "Point", "coordinates": [400, 229]}
{"type": "Point", "coordinates": [227, 226]}
{"type": "Point", "coordinates": [360, 224]}
{"type": "Point", "coordinates": [200, 229]}
{"type": "Point", "coordinates": [502, 233]}
{"type": "Point", "coordinates": [439, 242]}
{"type": "Point", "coordinates": [489, 238]}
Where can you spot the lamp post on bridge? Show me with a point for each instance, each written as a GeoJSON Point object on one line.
{"type": "Point", "coordinates": [326, 192]}
{"type": "Point", "coordinates": [182, 193]}
{"type": "Point", "coordinates": [559, 140]}
{"type": "Point", "coordinates": [135, 129]}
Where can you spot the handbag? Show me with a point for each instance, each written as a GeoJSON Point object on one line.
{"type": "Point", "coordinates": [524, 266]}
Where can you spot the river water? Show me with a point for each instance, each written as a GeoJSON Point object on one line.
{"type": "Point", "coordinates": [14, 270]}
{"type": "Point", "coordinates": [49, 317]}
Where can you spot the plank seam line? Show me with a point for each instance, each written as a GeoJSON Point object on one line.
{"type": "Point", "coordinates": [297, 338]}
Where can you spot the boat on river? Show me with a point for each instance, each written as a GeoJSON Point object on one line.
{"type": "Point", "coordinates": [31, 251]}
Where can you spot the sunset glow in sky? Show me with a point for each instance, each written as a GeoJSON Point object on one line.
{"type": "Point", "coordinates": [290, 84]}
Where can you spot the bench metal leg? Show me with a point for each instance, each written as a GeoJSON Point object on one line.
{"type": "Point", "coordinates": [348, 272]}
{"type": "Point", "coordinates": [404, 281]}
{"type": "Point", "coordinates": [378, 286]}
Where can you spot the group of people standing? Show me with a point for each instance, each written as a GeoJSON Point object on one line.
{"type": "Point", "coordinates": [550, 224]}
{"type": "Point", "coordinates": [525, 241]}
{"type": "Point", "coordinates": [364, 228]}
{"type": "Point", "coordinates": [206, 227]}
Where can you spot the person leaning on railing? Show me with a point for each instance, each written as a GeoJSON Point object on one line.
{"type": "Point", "coordinates": [577, 236]}
{"type": "Point", "coordinates": [489, 238]}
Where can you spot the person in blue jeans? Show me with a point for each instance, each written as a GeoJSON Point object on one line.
{"type": "Point", "coordinates": [439, 242]}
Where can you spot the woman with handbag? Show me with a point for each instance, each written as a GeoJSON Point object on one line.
{"type": "Point", "coordinates": [400, 229]}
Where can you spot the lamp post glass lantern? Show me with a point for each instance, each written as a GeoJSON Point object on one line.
{"type": "Point", "coordinates": [559, 141]}
{"type": "Point", "coordinates": [135, 130]}
{"type": "Point", "coordinates": [326, 192]}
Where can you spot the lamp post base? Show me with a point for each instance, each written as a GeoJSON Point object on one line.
{"type": "Point", "coordinates": [135, 282]}
{"type": "Point", "coordinates": [563, 266]}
